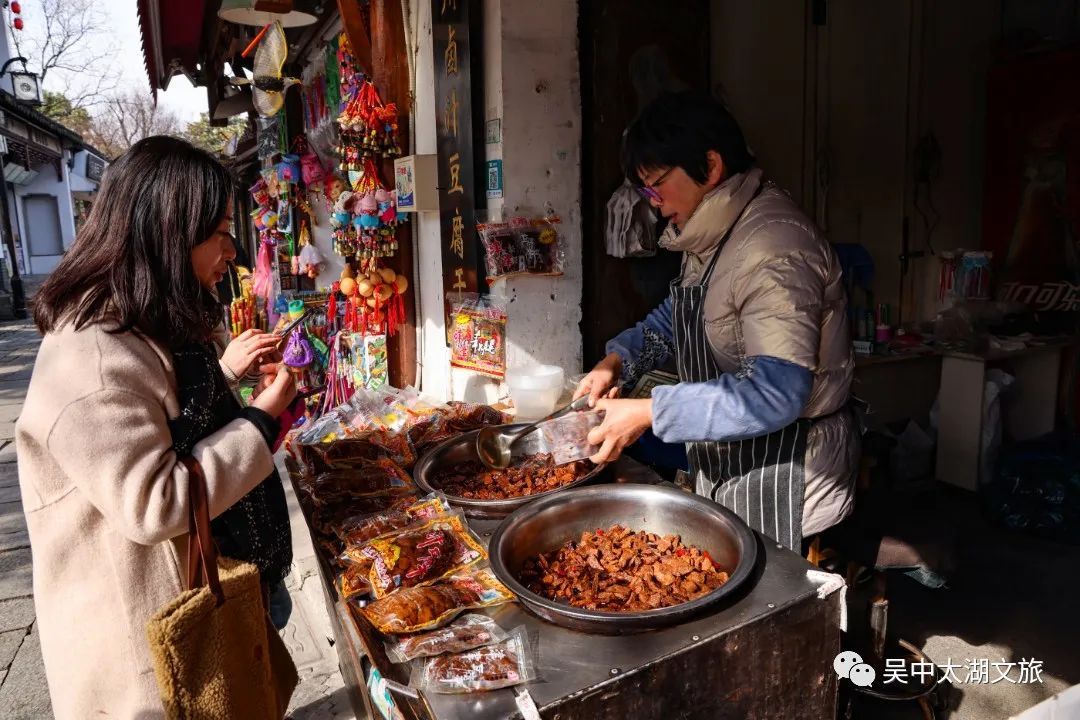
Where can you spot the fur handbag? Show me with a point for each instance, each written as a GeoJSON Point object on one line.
{"type": "Point", "coordinates": [215, 652]}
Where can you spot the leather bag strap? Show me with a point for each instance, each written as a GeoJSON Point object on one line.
{"type": "Point", "coordinates": [202, 553]}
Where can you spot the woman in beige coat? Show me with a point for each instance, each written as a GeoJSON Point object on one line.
{"type": "Point", "coordinates": [756, 326]}
{"type": "Point", "coordinates": [105, 496]}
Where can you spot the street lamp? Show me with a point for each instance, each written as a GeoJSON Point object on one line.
{"type": "Point", "coordinates": [18, 295]}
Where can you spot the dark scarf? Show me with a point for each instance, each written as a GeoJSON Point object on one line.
{"type": "Point", "coordinates": [255, 529]}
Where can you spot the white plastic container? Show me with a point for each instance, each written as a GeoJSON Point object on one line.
{"type": "Point", "coordinates": [535, 390]}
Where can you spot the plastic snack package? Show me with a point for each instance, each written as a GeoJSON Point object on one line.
{"type": "Point", "coordinates": [371, 477]}
{"type": "Point", "coordinates": [328, 513]}
{"type": "Point", "coordinates": [566, 438]}
{"type": "Point", "coordinates": [466, 633]}
{"type": "Point", "coordinates": [424, 552]}
{"type": "Point", "coordinates": [417, 609]}
{"type": "Point", "coordinates": [505, 664]}
{"type": "Point", "coordinates": [539, 244]}
{"type": "Point", "coordinates": [352, 582]}
{"type": "Point", "coordinates": [357, 530]}
{"type": "Point", "coordinates": [478, 334]}
{"type": "Point", "coordinates": [501, 255]}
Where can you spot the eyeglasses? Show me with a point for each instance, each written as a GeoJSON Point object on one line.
{"type": "Point", "coordinates": [649, 192]}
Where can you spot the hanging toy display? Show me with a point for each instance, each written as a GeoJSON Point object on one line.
{"type": "Point", "coordinates": [364, 222]}
{"type": "Point", "coordinates": [375, 300]}
{"type": "Point", "coordinates": [310, 261]}
{"type": "Point", "coordinates": [262, 283]}
{"type": "Point", "coordinates": [269, 85]}
{"type": "Point", "coordinates": [339, 387]}
{"type": "Point", "coordinates": [368, 127]}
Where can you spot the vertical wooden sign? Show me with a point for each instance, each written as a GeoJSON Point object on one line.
{"type": "Point", "coordinates": [454, 134]}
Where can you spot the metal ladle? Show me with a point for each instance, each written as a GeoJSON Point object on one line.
{"type": "Point", "coordinates": [493, 443]}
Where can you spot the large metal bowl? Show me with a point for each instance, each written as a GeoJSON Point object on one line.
{"type": "Point", "coordinates": [546, 524]}
{"type": "Point", "coordinates": [462, 448]}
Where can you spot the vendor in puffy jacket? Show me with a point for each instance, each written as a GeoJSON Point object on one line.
{"type": "Point", "coordinates": [756, 325]}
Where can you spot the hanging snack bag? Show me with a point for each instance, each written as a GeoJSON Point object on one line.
{"type": "Point", "coordinates": [534, 255]}
{"type": "Point", "coordinates": [538, 244]}
{"type": "Point", "coordinates": [421, 554]}
{"type": "Point", "coordinates": [465, 633]}
{"type": "Point", "coordinates": [478, 334]}
{"type": "Point", "coordinates": [501, 255]}
{"type": "Point", "coordinates": [416, 609]}
{"type": "Point", "coordinates": [505, 664]}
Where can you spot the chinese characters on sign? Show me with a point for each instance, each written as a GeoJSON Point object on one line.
{"type": "Point", "coordinates": [849, 665]}
{"type": "Point", "coordinates": [1048, 297]}
{"type": "Point", "coordinates": [973, 671]}
{"type": "Point", "coordinates": [450, 27]}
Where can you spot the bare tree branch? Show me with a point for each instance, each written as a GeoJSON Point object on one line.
{"type": "Point", "coordinates": [71, 38]}
{"type": "Point", "coordinates": [128, 117]}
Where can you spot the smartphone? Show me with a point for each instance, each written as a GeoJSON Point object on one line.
{"type": "Point", "coordinates": [284, 332]}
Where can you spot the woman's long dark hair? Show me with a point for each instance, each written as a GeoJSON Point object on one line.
{"type": "Point", "coordinates": [131, 262]}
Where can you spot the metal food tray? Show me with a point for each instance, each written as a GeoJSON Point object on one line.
{"type": "Point", "coordinates": [462, 448]}
{"type": "Point", "coordinates": [547, 524]}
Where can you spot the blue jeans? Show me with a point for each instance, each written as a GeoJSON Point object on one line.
{"type": "Point", "coordinates": [279, 605]}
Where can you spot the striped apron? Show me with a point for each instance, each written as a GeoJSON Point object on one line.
{"type": "Point", "coordinates": [760, 479]}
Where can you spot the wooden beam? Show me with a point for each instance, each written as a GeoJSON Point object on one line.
{"type": "Point", "coordinates": [390, 73]}
{"type": "Point", "coordinates": [356, 29]}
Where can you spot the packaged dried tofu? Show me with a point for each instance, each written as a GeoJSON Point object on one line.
{"type": "Point", "coordinates": [356, 531]}
{"type": "Point", "coordinates": [465, 633]}
{"type": "Point", "coordinates": [352, 582]}
{"type": "Point", "coordinates": [417, 609]}
{"type": "Point", "coordinates": [424, 552]}
{"type": "Point", "coordinates": [504, 664]}
{"type": "Point", "coordinates": [375, 476]}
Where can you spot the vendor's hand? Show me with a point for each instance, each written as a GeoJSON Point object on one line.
{"type": "Point", "coordinates": [246, 349]}
{"type": "Point", "coordinates": [602, 380]}
{"type": "Point", "coordinates": [278, 392]}
{"type": "Point", "coordinates": [624, 422]}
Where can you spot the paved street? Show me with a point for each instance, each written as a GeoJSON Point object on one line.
{"type": "Point", "coordinates": [23, 691]}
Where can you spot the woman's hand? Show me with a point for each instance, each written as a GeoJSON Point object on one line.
{"type": "Point", "coordinates": [602, 380]}
{"type": "Point", "coordinates": [624, 422]}
{"type": "Point", "coordinates": [247, 348]}
{"type": "Point", "coordinates": [275, 392]}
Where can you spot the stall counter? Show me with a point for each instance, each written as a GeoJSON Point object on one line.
{"type": "Point", "coordinates": [766, 654]}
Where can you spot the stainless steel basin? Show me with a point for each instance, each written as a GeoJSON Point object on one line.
{"type": "Point", "coordinates": [462, 448]}
{"type": "Point", "coordinates": [547, 523]}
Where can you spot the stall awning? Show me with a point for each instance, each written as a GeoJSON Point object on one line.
{"type": "Point", "coordinates": [171, 38]}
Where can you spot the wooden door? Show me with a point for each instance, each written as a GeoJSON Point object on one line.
{"type": "Point", "coordinates": [625, 46]}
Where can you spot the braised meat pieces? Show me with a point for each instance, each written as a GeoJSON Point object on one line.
{"type": "Point", "coordinates": [536, 474]}
{"type": "Point", "coordinates": [622, 570]}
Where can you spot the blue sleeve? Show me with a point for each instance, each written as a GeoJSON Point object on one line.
{"type": "Point", "coordinates": [769, 395]}
{"type": "Point", "coordinates": [645, 346]}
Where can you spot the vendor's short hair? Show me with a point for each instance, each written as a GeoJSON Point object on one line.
{"type": "Point", "coordinates": [678, 130]}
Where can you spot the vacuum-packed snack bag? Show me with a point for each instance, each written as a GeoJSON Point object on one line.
{"type": "Point", "coordinates": [416, 609]}
{"type": "Point", "coordinates": [465, 633]}
{"type": "Point", "coordinates": [505, 664]}
{"type": "Point", "coordinates": [422, 553]}
{"type": "Point", "coordinates": [357, 530]}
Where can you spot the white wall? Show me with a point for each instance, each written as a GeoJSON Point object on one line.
{"type": "Point", "coordinates": [433, 354]}
{"type": "Point", "coordinates": [77, 174]}
{"type": "Point", "coordinates": [46, 183]}
{"type": "Point", "coordinates": [531, 84]}
{"type": "Point", "coordinates": [541, 150]}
